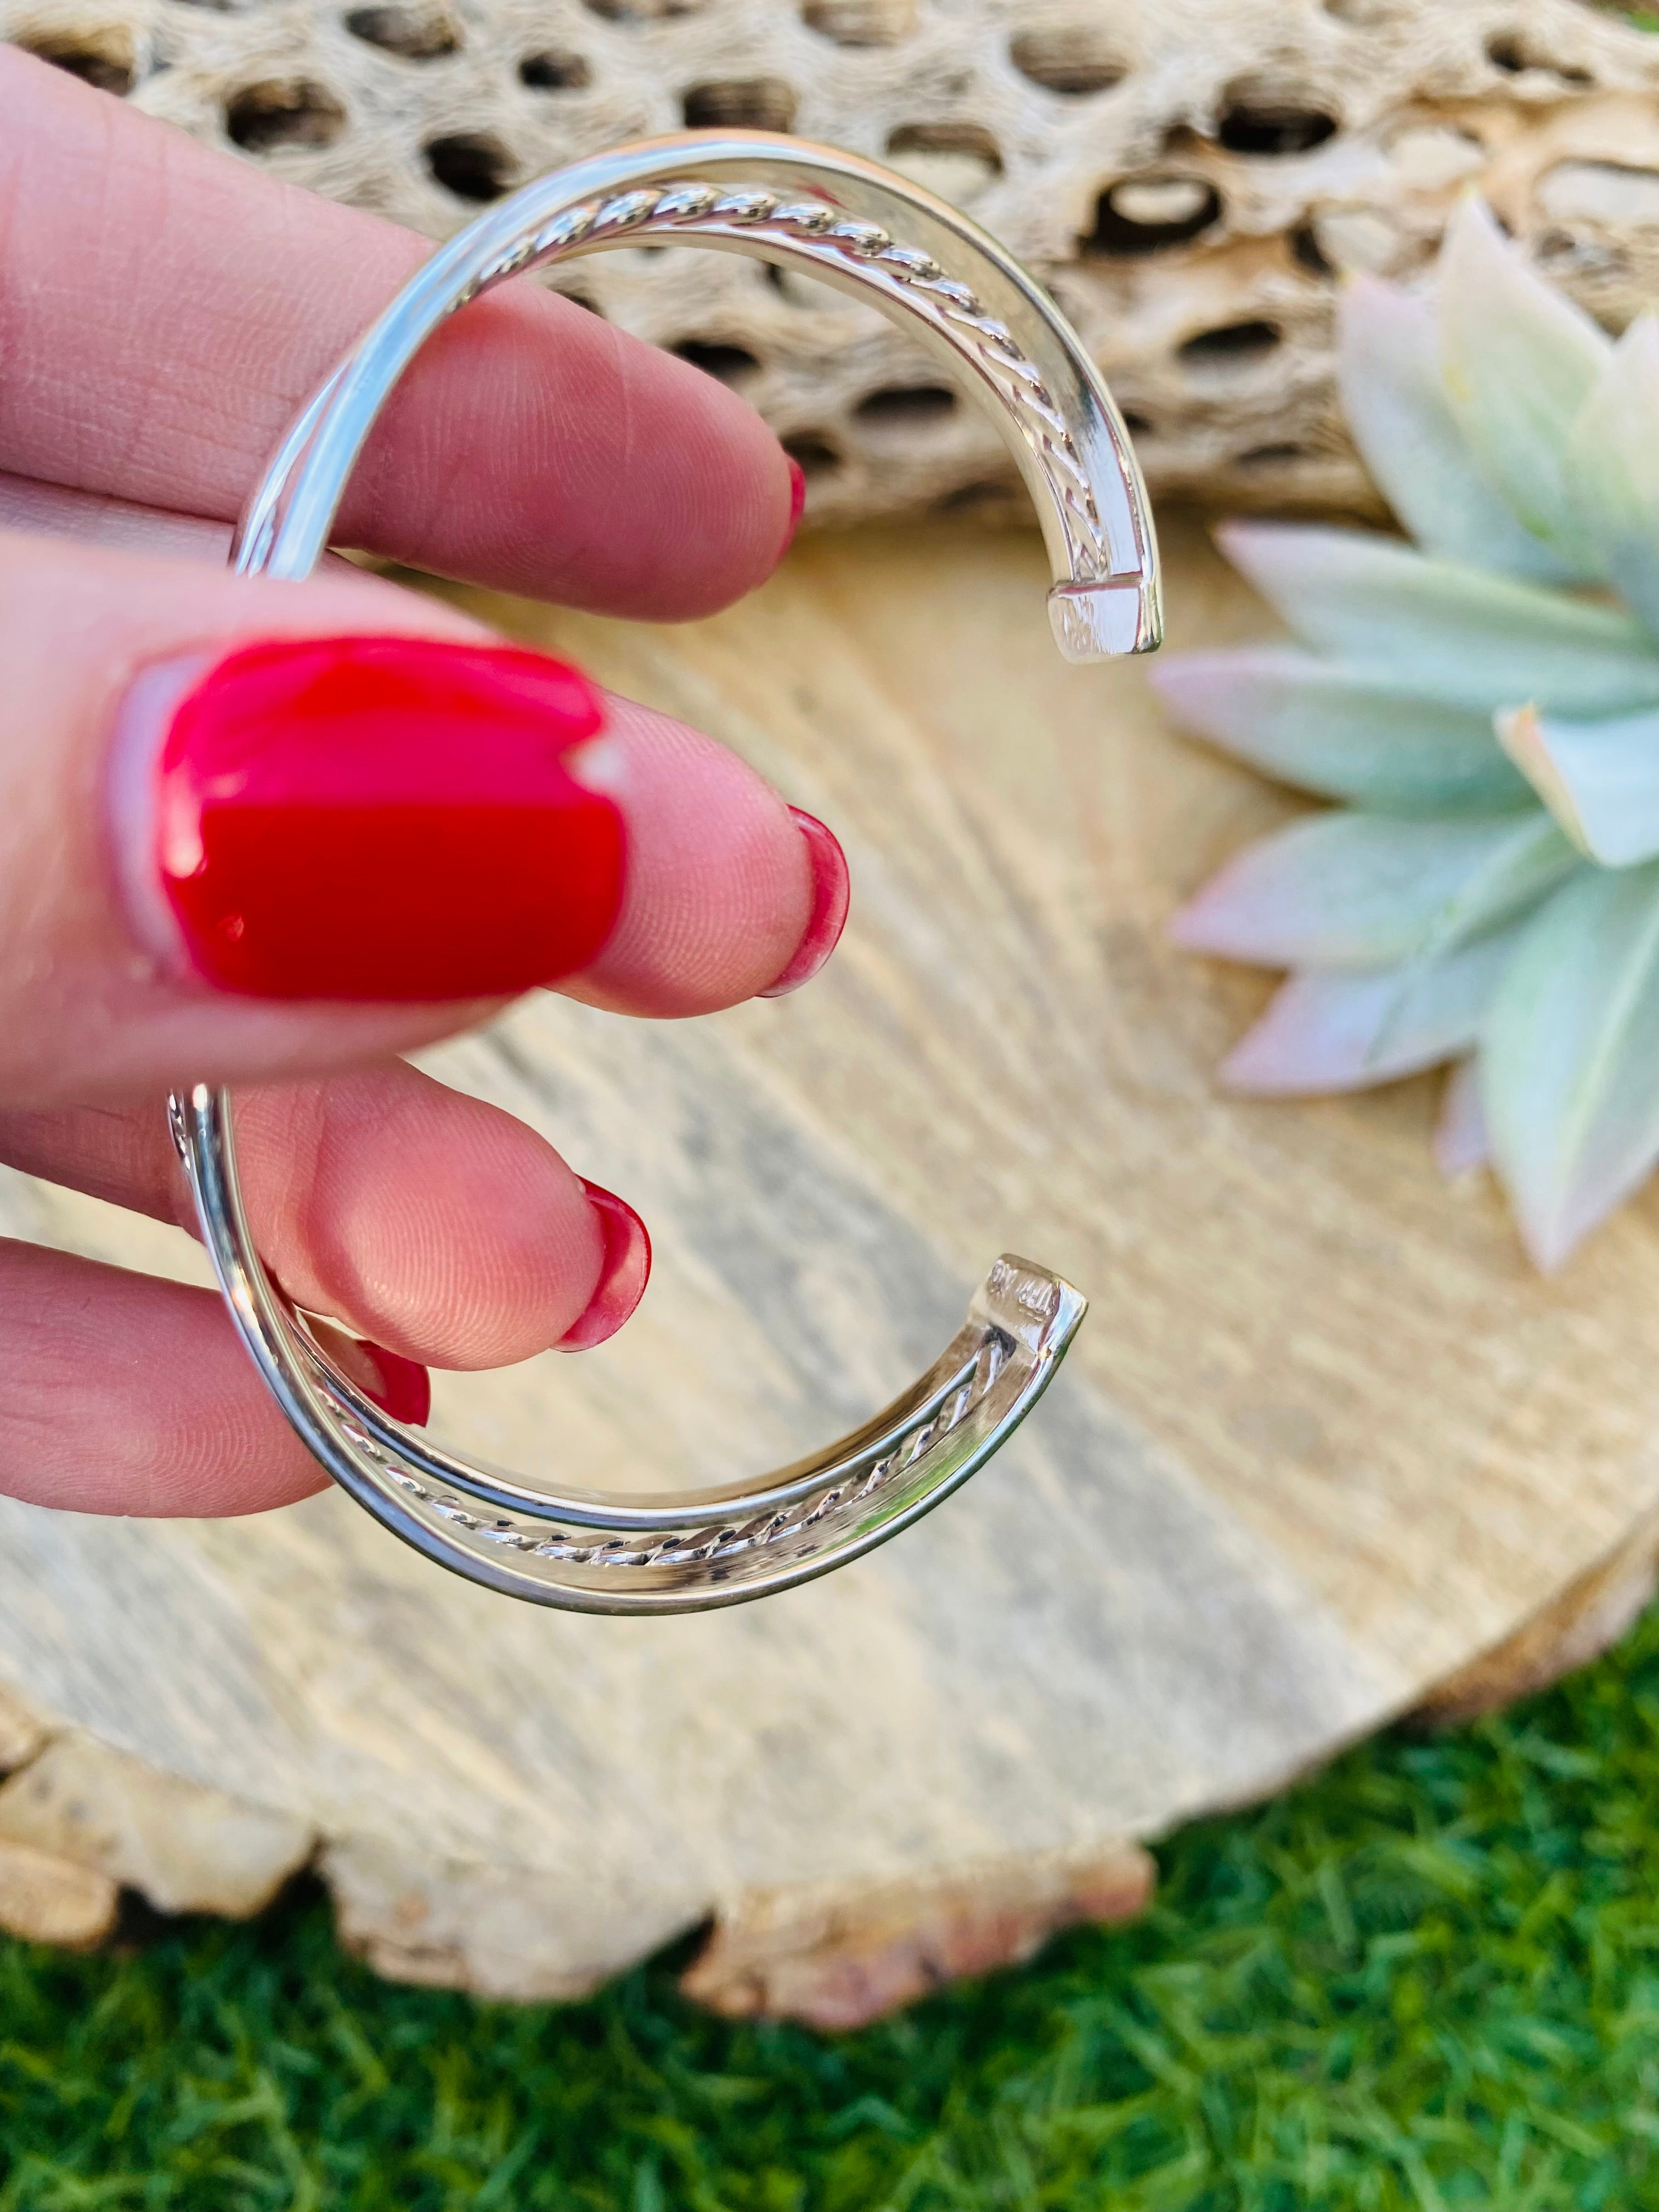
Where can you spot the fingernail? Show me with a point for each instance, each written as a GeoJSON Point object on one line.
{"type": "Point", "coordinates": [365, 819]}
{"type": "Point", "coordinates": [400, 1387]}
{"type": "Point", "coordinates": [797, 501]}
{"type": "Point", "coordinates": [623, 1275]}
{"type": "Point", "coordinates": [831, 894]}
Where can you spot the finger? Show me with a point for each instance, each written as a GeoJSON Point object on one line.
{"type": "Point", "coordinates": [430, 1223]}
{"type": "Point", "coordinates": [91, 518]}
{"type": "Point", "coordinates": [122, 1395]}
{"type": "Point", "coordinates": [333, 822]}
{"type": "Point", "coordinates": [731, 894]}
{"type": "Point", "coordinates": [166, 310]}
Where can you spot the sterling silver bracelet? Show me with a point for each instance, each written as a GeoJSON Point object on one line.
{"type": "Point", "coordinates": [859, 228]}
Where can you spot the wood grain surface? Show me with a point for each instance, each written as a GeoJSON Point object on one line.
{"type": "Point", "coordinates": [1324, 1444]}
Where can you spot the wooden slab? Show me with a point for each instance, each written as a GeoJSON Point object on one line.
{"type": "Point", "coordinates": [1325, 1449]}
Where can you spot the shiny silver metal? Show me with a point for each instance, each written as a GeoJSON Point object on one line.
{"type": "Point", "coordinates": [859, 228]}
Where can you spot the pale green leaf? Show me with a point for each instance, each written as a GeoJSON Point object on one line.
{"type": "Point", "coordinates": [1326, 1031]}
{"type": "Point", "coordinates": [1599, 779]}
{"type": "Point", "coordinates": [1395, 398]}
{"type": "Point", "coordinates": [1462, 1144]}
{"type": "Point", "coordinates": [1344, 733]}
{"type": "Point", "coordinates": [1569, 1057]}
{"type": "Point", "coordinates": [1519, 360]}
{"type": "Point", "coordinates": [1449, 632]}
{"type": "Point", "coordinates": [1370, 890]}
{"type": "Point", "coordinates": [1613, 469]}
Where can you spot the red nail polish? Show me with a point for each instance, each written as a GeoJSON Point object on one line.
{"type": "Point", "coordinates": [402, 1387]}
{"type": "Point", "coordinates": [831, 895]}
{"type": "Point", "coordinates": [797, 501]}
{"type": "Point", "coordinates": [623, 1275]}
{"type": "Point", "coordinates": [386, 819]}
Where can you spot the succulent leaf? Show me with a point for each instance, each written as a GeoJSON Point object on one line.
{"type": "Point", "coordinates": [1459, 635]}
{"type": "Point", "coordinates": [1569, 1057]}
{"type": "Point", "coordinates": [1366, 890]}
{"type": "Point", "coordinates": [1599, 779]}
{"type": "Point", "coordinates": [1519, 360]}
{"type": "Point", "coordinates": [1442, 690]}
{"type": "Point", "coordinates": [1395, 397]}
{"type": "Point", "coordinates": [1613, 469]}
{"type": "Point", "coordinates": [1357, 734]}
{"type": "Point", "coordinates": [1462, 1141]}
{"type": "Point", "coordinates": [1325, 1031]}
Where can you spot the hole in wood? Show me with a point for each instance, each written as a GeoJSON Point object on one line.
{"type": "Point", "coordinates": [294, 114]}
{"type": "Point", "coordinates": [954, 160]}
{"type": "Point", "coordinates": [752, 103]}
{"type": "Point", "coordinates": [641, 11]}
{"type": "Point", "coordinates": [1073, 58]}
{"type": "Point", "coordinates": [1612, 193]}
{"type": "Point", "coordinates": [473, 168]}
{"type": "Point", "coordinates": [1137, 425]}
{"type": "Point", "coordinates": [1233, 345]}
{"type": "Point", "coordinates": [1279, 456]}
{"type": "Point", "coordinates": [554, 72]}
{"type": "Point", "coordinates": [814, 455]}
{"type": "Point", "coordinates": [1356, 238]}
{"type": "Point", "coordinates": [1307, 253]}
{"type": "Point", "coordinates": [1427, 157]}
{"type": "Point", "coordinates": [906, 407]}
{"type": "Point", "coordinates": [861, 22]}
{"type": "Point", "coordinates": [801, 291]}
{"type": "Point", "coordinates": [1511, 52]}
{"type": "Point", "coordinates": [106, 61]}
{"type": "Point", "coordinates": [979, 497]}
{"type": "Point", "coordinates": [1148, 214]}
{"type": "Point", "coordinates": [1261, 122]}
{"type": "Point", "coordinates": [419, 34]}
{"type": "Point", "coordinates": [945, 138]}
{"type": "Point", "coordinates": [727, 362]}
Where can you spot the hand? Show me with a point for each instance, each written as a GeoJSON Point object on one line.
{"type": "Point", "coordinates": [274, 834]}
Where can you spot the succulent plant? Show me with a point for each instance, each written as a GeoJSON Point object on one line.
{"type": "Point", "coordinates": [1483, 703]}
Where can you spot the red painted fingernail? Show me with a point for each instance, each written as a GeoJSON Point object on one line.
{"type": "Point", "coordinates": [623, 1275]}
{"type": "Point", "coordinates": [797, 501]}
{"type": "Point", "coordinates": [371, 818]}
{"type": "Point", "coordinates": [401, 1387]}
{"type": "Point", "coordinates": [831, 895]}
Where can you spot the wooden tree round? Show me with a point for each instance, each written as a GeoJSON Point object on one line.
{"type": "Point", "coordinates": [1326, 1451]}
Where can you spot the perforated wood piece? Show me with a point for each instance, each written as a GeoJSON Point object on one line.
{"type": "Point", "coordinates": [1190, 176]}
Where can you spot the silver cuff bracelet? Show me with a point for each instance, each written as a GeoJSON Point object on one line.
{"type": "Point", "coordinates": [857, 227]}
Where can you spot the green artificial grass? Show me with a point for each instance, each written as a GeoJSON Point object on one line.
{"type": "Point", "coordinates": [1430, 1978]}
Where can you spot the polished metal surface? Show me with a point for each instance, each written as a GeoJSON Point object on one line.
{"type": "Point", "coordinates": [857, 227]}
